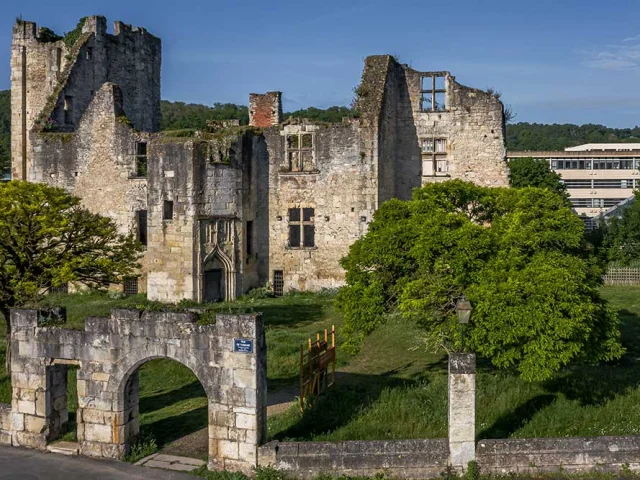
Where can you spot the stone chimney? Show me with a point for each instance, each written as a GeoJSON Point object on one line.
{"type": "Point", "coordinates": [265, 109]}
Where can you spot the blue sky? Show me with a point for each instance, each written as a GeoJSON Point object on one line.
{"type": "Point", "coordinates": [554, 61]}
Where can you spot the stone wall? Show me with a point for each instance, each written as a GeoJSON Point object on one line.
{"type": "Point", "coordinates": [396, 458]}
{"type": "Point", "coordinates": [108, 353]}
{"type": "Point", "coordinates": [97, 162]}
{"type": "Point", "coordinates": [340, 187]}
{"type": "Point", "coordinates": [209, 181]}
{"type": "Point", "coordinates": [53, 83]}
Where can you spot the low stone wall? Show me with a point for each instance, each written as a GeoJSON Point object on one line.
{"type": "Point", "coordinates": [397, 458]}
{"type": "Point", "coordinates": [546, 454]}
{"type": "Point", "coordinates": [419, 459]}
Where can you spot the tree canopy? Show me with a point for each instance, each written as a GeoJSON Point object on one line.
{"type": "Point", "coordinates": [179, 115]}
{"type": "Point", "coordinates": [47, 238]}
{"type": "Point", "coordinates": [618, 238]}
{"type": "Point", "coordinates": [529, 172]}
{"type": "Point", "coordinates": [517, 254]}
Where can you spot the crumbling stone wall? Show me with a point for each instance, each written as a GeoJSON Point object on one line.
{"type": "Point", "coordinates": [108, 353]}
{"type": "Point", "coordinates": [341, 190]}
{"type": "Point", "coordinates": [44, 73]}
{"type": "Point", "coordinates": [97, 162]}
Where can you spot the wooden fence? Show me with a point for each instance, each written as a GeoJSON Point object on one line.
{"type": "Point", "coordinates": [314, 366]}
{"type": "Point", "coordinates": [622, 276]}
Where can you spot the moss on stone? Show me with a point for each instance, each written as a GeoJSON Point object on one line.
{"type": "Point", "coordinates": [72, 37]}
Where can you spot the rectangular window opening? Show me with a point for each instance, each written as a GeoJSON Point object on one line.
{"type": "Point", "coordinates": [433, 93]}
{"type": "Point", "coordinates": [302, 227]}
{"type": "Point", "coordinates": [278, 283]}
{"type": "Point", "coordinates": [142, 226]}
{"type": "Point", "coordinates": [89, 53]}
{"type": "Point", "coordinates": [130, 286]}
{"type": "Point", "coordinates": [249, 237]}
{"type": "Point", "coordinates": [68, 110]}
{"type": "Point", "coordinates": [299, 152]}
{"type": "Point", "coordinates": [141, 159]}
{"type": "Point", "coordinates": [167, 213]}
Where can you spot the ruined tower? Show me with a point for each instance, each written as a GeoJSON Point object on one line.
{"type": "Point", "coordinates": [54, 79]}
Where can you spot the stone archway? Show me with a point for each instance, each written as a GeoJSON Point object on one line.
{"type": "Point", "coordinates": [228, 358]}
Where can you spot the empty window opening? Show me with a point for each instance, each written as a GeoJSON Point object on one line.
{"type": "Point", "coordinates": [434, 157]}
{"type": "Point", "coordinates": [141, 159]}
{"type": "Point", "coordinates": [141, 230]}
{"type": "Point", "coordinates": [68, 110]}
{"type": "Point", "coordinates": [89, 53]}
{"type": "Point", "coordinates": [167, 213]}
{"type": "Point", "coordinates": [433, 93]}
{"type": "Point", "coordinates": [130, 286]}
{"type": "Point", "coordinates": [249, 237]}
{"type": "Point", "coordinates": [62, 402]}
{"type": "Point", "coordinates": [278, 283]}
{"type": "Point", "coordinates": [302, 228]}
{"type": "Point", "coordinates": [59, 59]}
{"type": "Point", "coordinates": [299, 152]}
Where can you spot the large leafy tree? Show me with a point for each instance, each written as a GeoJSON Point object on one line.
{"type": "Point", "coordinates": [517, 254]}
{"type": "Point", "coordinates": [47, 238]}
{"type": "Point", "coordinates": [529, 172]}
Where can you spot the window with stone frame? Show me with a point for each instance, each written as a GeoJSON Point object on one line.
{"type": "Point", "coordinates": [433, 93]}
{"type": "Point", "coordinates": [302, 230]}
{"type": "Point", "coordinates": [434, 157]}
{"type": "Point", "coordinates": [141, 159]}
{"type": "Point", "coordinates": [68, 110]}
{"type": "Point", "coordinates": [299, 152]}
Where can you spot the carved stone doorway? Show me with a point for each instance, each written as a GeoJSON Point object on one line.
{"type": "Point", "coordinates": [214, 285]}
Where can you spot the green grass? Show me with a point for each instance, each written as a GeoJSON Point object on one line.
{"type": "Point", "coordinates": [393, 388]}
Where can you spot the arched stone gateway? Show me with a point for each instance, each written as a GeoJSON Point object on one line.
{"type": "Point", "coordinates": [228, 358]}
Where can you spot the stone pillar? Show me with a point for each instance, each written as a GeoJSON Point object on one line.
{"type": "Point", "coordinates": [462, 408]}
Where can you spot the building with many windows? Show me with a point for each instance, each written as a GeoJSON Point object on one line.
{"type": "Point", "coordinates": [598, 176]}
{"type": "Point", "coordinates": [232, 207]}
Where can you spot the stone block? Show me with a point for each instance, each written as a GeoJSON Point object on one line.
{"type": "Point", "coordinates": [94, 432]}
{"type": "Point", "coordinates": [248, 452]}
{"type": "Point", "coordinates": [228, 449]}
{"type": "Point", "coordinates": [34, 424]}
{"type": "Point", "coordinates": [245, 421]}
{"type": "Point", "coordinates": [27, 407]}
{"type": "Point", "coordinates": [244, 378]}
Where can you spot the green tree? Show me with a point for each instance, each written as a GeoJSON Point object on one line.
{"type": "Point", "coordinates": [529, 172]}
{"type": "Point", "coordinates": [517, 254]}
{"type": "Point", "coordinates": [47, 238]}
{"type": "Point", "coordinates": [618, 239]}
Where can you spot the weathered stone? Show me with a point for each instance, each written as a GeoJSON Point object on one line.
{"type": "Point", "coordinates": [108, 383]}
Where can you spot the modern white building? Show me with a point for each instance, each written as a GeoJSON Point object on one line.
{"type": "Point", "coordinates": [598, 176]}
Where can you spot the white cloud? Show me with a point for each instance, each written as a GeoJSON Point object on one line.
{"type": "Point", "coordinates": [623, 56]}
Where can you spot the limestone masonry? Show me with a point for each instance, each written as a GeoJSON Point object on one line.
{"type": "Point", "coordinates": [231, 208]}
{"type": "Point", "coordinates": [108, 354]}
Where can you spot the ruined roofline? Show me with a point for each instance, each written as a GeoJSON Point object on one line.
{"type": "Point", "coordinates": [97, 24]}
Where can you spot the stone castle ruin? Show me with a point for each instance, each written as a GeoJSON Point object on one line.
{"type": "Point", "coordinates": [231, 208]}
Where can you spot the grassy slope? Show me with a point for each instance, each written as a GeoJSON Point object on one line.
{"type": "Point", "coordinates": [393, 388]}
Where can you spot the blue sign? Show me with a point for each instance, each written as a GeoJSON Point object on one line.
{"type": "Point", "coordinates": [242, 345]}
